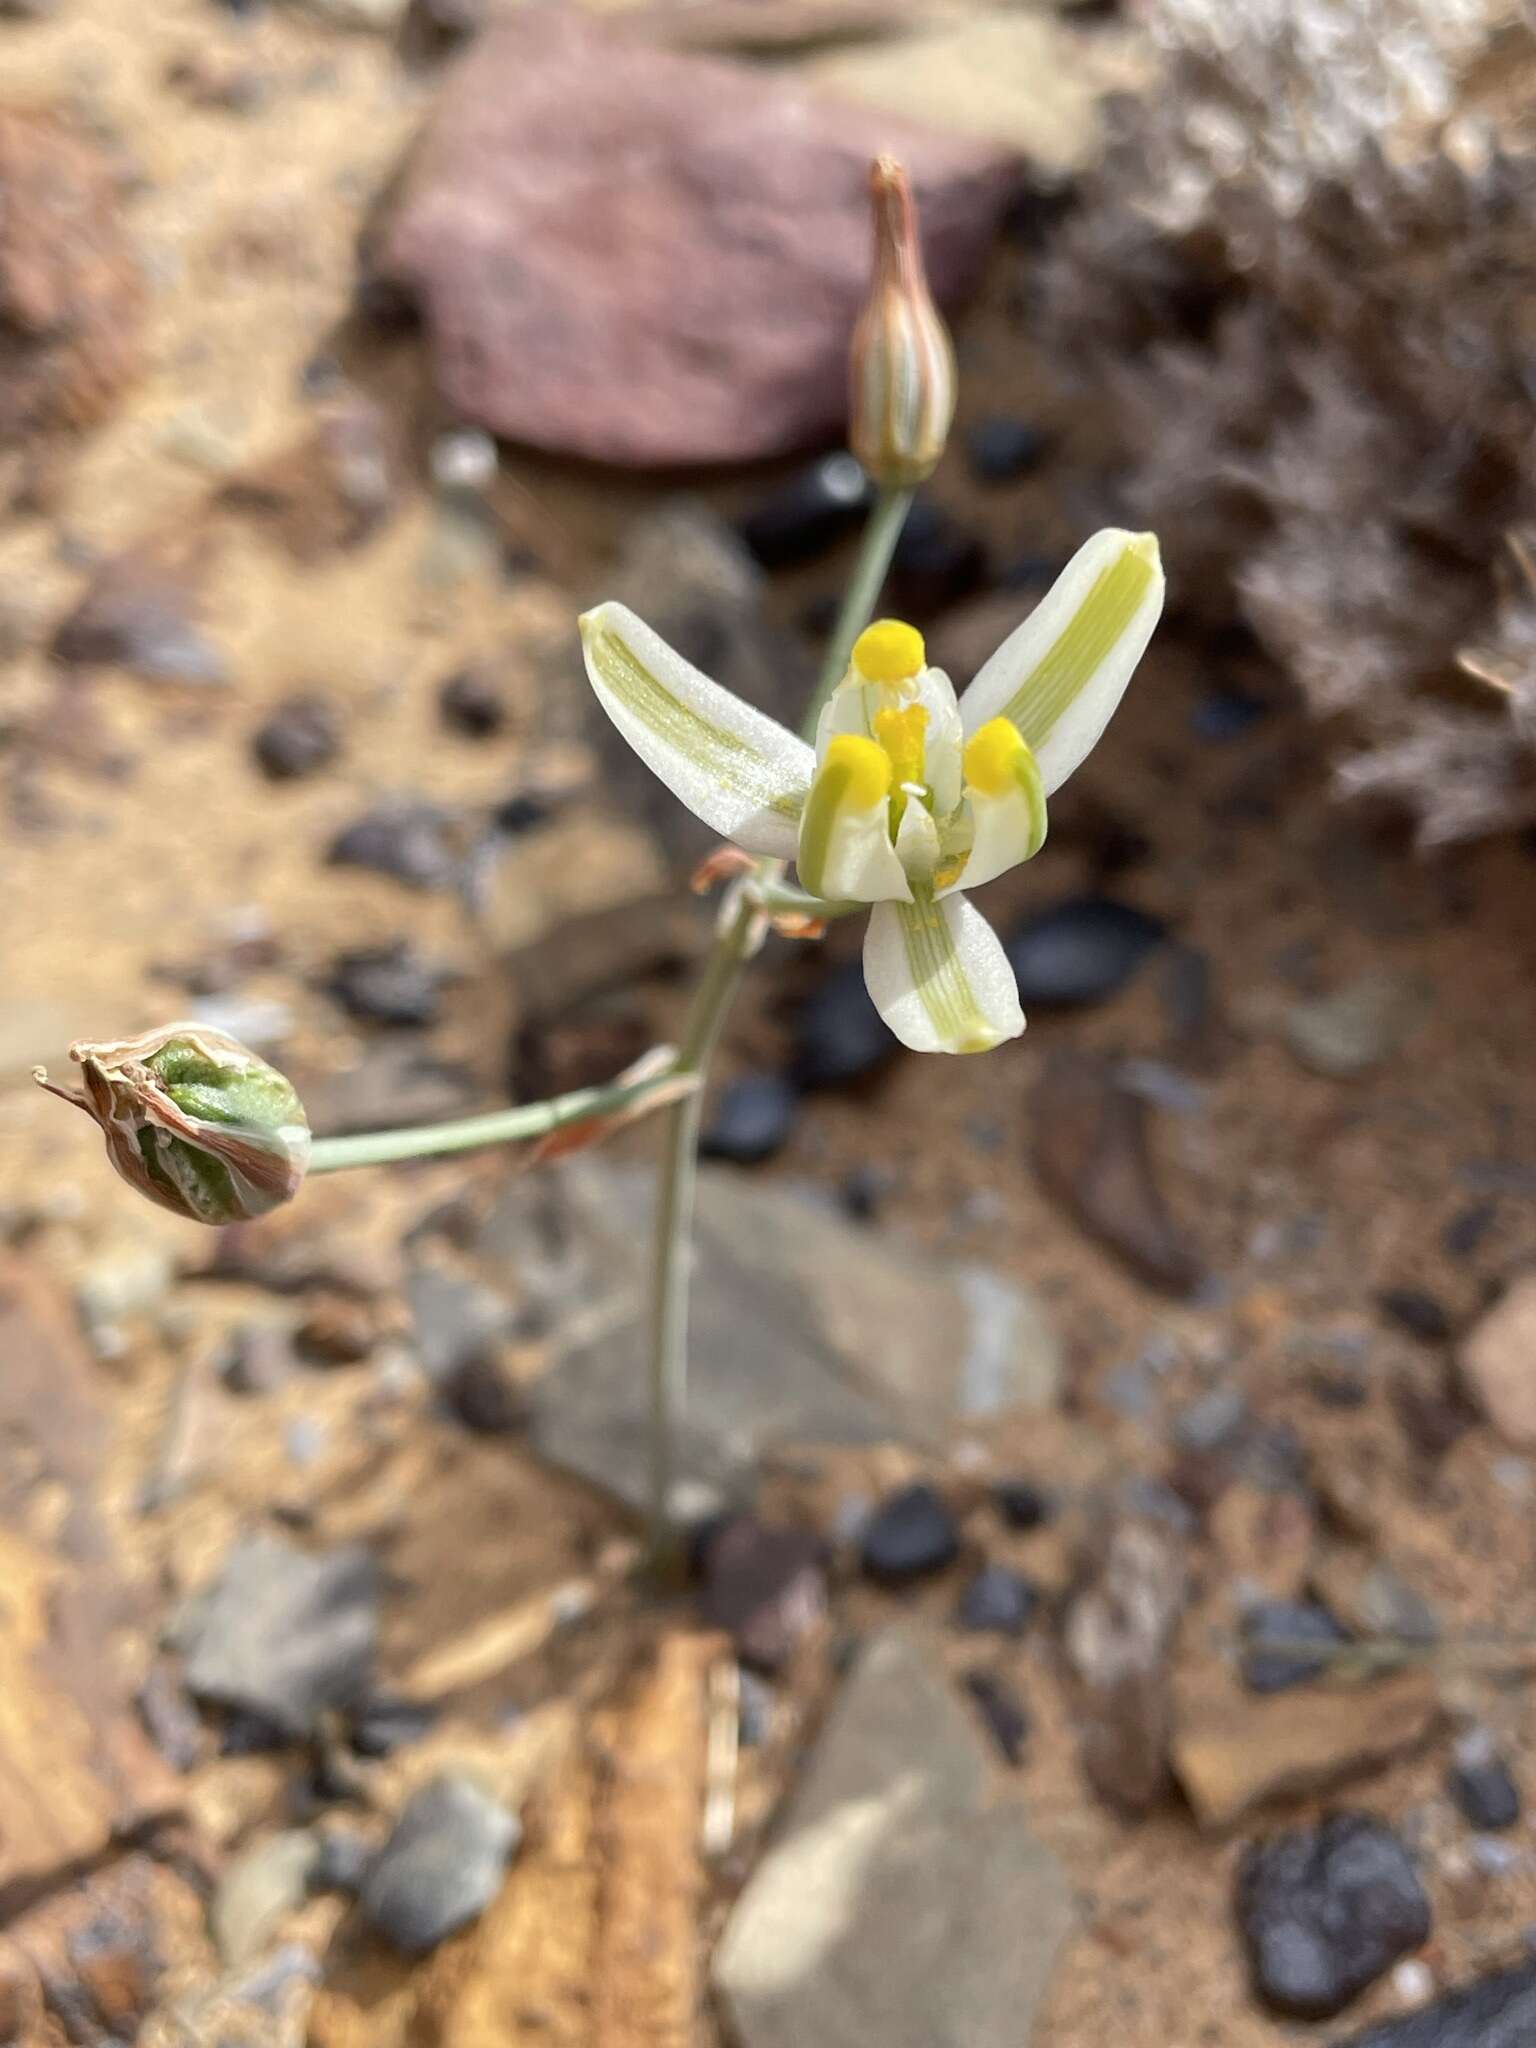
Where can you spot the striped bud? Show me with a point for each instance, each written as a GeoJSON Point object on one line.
{"type": "Point", "coordinates": [902, 397]}
{"type": "Point", "coordinates": [194, 1121]}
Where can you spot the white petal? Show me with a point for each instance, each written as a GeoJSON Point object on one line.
{"type": "Point", "coordinates": [740, 771]}
{"type": "Point", "coordinates": [939, 976]}
{"type": "Point", "coordinates": [1059, 676]}
{"type": "Point", "coordinates": [858, 863]}
{"type": "Point", "coordinates": [943, 740]}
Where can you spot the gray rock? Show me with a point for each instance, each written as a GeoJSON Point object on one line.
{"type": "Point", "coordinates": [455, 1319]}
{"type": "Point", "coordinates": [898, 1904]}
{"type": "Point", "coordinates": [281, 1634]}
{"type": "Point", "coordinates": [1492, 2012]}
{"type": "Point", "coordinates": [1326, 1911]}
{"type": "Point", "coordinates": [1118, 1638]}
{"type": "Point", "coordinates": [442, 1865]}
{"type": "Point", "coordinates": [1353, 1029]}
{"type": "Point", "coordinates": [804, 1327]}
{"type": "Point", "coordinates": [258, 1890]}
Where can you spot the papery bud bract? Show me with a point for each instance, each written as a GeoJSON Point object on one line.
{"type": "Point", "coordinates": [902, 397]}
{"type": "Point", "coordinates": [194, 1120]}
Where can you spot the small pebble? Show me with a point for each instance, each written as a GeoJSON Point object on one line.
{"type": "Point", "coordinates": [1000, 449]}
{"type": "Point", "coordinates": [1274, 1637]}
{"type": "Point", "coordinates": [341, 1862]}
{"type": "Point", "coordinates": [471, 704]}
{"type": "Point", "coordinates": [1417, 1312]}
{"type": "Point", "coordinates": [752, 1120]}
{"type": "Point", "coordinates": [809, 514]}
{"type": "Point", "coordinates": [910, 1535]}
{"type": "Point", "coordinates": [1224, 715]}
{"type": "Point", "coordinates": [302, 736]}
{"type": "Point", "coordinates": [998, 1599]}
{"type": "Point", "coordinates": [442, 1865]}
{"type": "Point", "coordinates": [1081, 951]}
{"type": "Point", "coordinates": [1022, 1504]}
{"type": "Point", "coordinates": [1002, 1710]}
{"type": "Point", "coordinates": [937, 562]}
{"type": "Point", "coordinates": [387, 985]}
{"type": "Point", "coordinates": [387, 1723]}
{"type": "Point", "coordinates": [839, 1037]}
{"type": "Point", "coordinates": [463, 461]}
{"type": "Point", "coordinates": [1482, 1785]}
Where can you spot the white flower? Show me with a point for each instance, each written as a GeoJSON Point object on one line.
{"type": "Point", "coordinates": [909, 794]}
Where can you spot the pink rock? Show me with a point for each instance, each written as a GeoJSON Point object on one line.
{"type": "Point", "coordinates": [649, 258]}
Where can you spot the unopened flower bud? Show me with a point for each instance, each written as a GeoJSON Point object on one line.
{"type": "Point", "coordinates": [194, 1121]}
{"type": "Point", "coordinates": [902, 399]}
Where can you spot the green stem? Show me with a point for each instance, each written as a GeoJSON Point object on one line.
{"type": "Point", "coordinates": [881, 534]}
{"type": "Point", "coordinates": [471, 1133]}
{"type": "Point", "coordinates": [706, 1020]}
{"type": "Point", "coordinates": [674, 1220]}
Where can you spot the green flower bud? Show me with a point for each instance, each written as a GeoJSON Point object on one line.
{"type": "Point", "coordinates": [194, 1121]}
{"type": "Point", "coordinates": [902, 391]}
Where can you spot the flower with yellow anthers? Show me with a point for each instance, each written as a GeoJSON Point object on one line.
{"type": "Point", "coordinates": [909, 794]}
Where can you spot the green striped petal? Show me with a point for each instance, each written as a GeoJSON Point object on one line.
{"type": "Point", "coordinates": [740, 771]}
{"type": "Point", "coordinates": [939, 976]}
{"type": "Point", "coordinates": [1059, 676]}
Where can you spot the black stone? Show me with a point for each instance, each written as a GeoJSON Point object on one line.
{"type": "Point", "coordinates": [1223, 715]}
{"type": "Point", "coordinates": [1491, 2012]}
{"type": "Point", "coordinates": [765, 1586]}
{"type": "Point", "coordinates": [482, 1394]}
{"type": "Point", "coordinates": [1000, 1599]}
{"type": "Point", "coordinates": [1022, 1504]}
{"type": "Point", "coordinates": [1416, 1312]}
{"type": "Point", "coordinates": [408, 838]}
{"type": "Point", "coordinates": [937, 562]}
{"type": "Point", "coordinates": [386, 1723]}
{"type": "Point", "coordinates": [1326, 1911]}
{"type": "Point", "coordinates": [838, 1033]}
{"type": "Point", "coordinates": [752, 1120]}
{"type": "Point", "coordinates": [387, 985]}
{"type": "Point", "coordinates": [1000, 449]}
{"type": "Point", "coordinates": [471, 704]}
{"type": "Point", "coordinates": [1081, 951]}
{"type": "Point", "coordinates": [807, 515]}
{"type": "Point", "coordinates": [1275, 1634]}
{"type": "Point", "coordinates": [1004, 1712]}
{"type": "Point", "coordinates": [442, 1865]}
{"type": "Point", "coordinates": [1486, 1794]}
{"type": "Point", "coordinates": [521, 813]}
{"type": "Point", "coordinates": [910, 1535]}
{"type": "Point", "coordinates": [302, 736]}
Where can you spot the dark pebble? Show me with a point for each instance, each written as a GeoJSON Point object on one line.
{"type": "Point", "coordinates": [1416, 1312]}
{"type": "Point", "coordinates": [1081, 951]}
{"type": "Point", "coordinates": [258, 1359]}
{"type": "Point", "coordinates": [752, 1120]}
{"type": "Point", "coordinates": [483, 1395]}
{"type": "Point", "coordinates": [1003, 1711]}
{"type": "Point", "coordinates": [471, 704]}
{"type": "Point", "coordinates": [865, 1190]}
{"type": "Point", "coordinates": [385, 1724]}
{"type": "Point", "coordinates": [1326, 1911]}
{"type": "Point", "coordinates": [521, 813]}
{"type": "Point", "coordinates": [1271, 1660]}
{"type": "Point", "coordinates": [1000, 1599]}
{"type": "Point", "coordinates": [1491, 2012]}
{"type": "Point", "coordinates": [1468, 1227]}
{"type": "Point", "coordinates": [765, 1586]}
{"type": "Point", "coordinates": [407, 838]}
{"type": "Point", "coordinates": [937, 562]}
{"type": "Point", "coordinates": [809, 514]}
{"type": "Point", "coordinates": [838, 1034]}
{"type": "Point", "coordinates": [1022, 1504]}
{"type": "Point", "coordinates": [302, 736]}
{"type": "Point", "coordinates": [1224, 715]}
{"type": "Point", "coordinates": [1000, 449]}
{"type": "Point", "coordinates": [387, 985]}
{"type": "Point", "coordinates": [1485, 1793]}
{"type": "Point", "coordinates": [910, 1535]}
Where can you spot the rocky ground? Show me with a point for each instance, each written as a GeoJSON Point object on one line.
{"type": "Point", "coordinates": [1113, 1459]}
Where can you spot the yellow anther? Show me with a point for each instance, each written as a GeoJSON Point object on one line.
{"type": "Point", "coordinates": [993, 755]}
{"type": "Point", "coordinates": [857, 769]}
{"type": "Point", "coordinates": [901, 734]}
{"type": "Point", "coordinates": [889, 652]}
